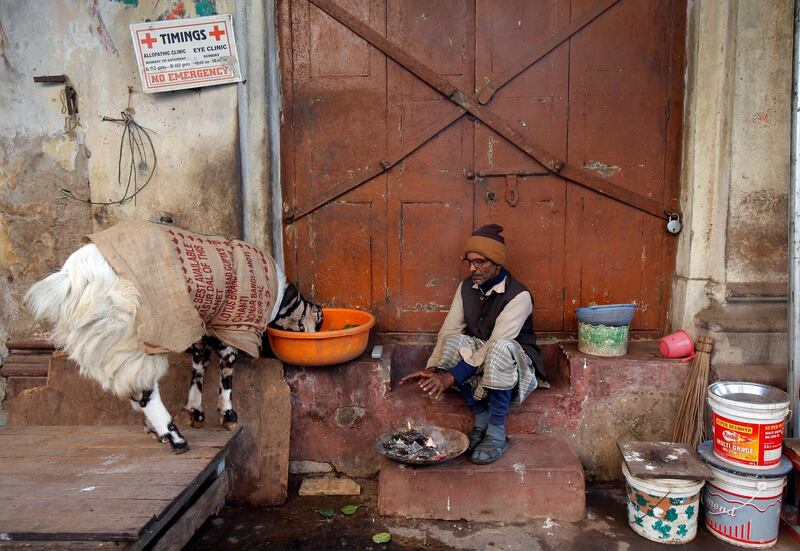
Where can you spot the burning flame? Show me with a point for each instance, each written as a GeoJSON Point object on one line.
{"type": "Point", "coordinates": [429, 443]}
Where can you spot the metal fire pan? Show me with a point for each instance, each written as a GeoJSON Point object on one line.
{"type": "Point", "coordinates": [456, 443]}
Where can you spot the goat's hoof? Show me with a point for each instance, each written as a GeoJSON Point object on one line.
{"type": "Point", "coordinates": [180, 448]}
{"type": "Point", "coordinates": [230, 420]}
{"type": "Point", "coordinates": [198, 419]}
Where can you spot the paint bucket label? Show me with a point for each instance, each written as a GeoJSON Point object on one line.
{"type": "Point", "coordinates": [746, 443]}
{"type": "Point", "coordinates": [741, 519]}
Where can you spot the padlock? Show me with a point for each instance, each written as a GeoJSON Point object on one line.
{"type": "Point", "coordinates": [674, 224]}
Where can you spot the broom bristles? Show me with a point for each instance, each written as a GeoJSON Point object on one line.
{"type": "Point", "coordinates": [689, 425]}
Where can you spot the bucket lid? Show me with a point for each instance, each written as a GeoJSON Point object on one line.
{"type": "Point", "coordinates": [706, 453]}
{"type": "Point", "coordinates": [752, 395]}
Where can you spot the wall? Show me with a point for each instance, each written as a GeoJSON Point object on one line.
{"type": "Point", "coordinates": [194, 133]}
{"type": "Point", "coordinates": [756, 257]}
{"type": "Point", "coordinates": [736, 154]}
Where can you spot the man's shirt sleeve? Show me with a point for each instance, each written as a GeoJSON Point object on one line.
{"type": "Point", "coordinates": [453, 325]}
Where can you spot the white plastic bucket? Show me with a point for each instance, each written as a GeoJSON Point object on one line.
{"type": "Point", "coordinates": [743, 510]}
{"type": "Point", "coordinates": [748, 421]}
{"type": "Point", "coordinates": [663, 509]}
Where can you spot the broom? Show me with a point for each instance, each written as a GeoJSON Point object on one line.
{"type": "Point", "coordinates": [689, 422]}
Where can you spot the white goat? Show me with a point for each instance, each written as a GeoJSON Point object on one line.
{"type": "Point", "coordinates": [94, 314]}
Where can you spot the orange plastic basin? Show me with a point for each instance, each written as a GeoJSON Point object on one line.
{"type": "Point", "coordinates": [331, 345]}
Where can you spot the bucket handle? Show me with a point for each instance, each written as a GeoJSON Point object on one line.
{"type": "Point", "coordinates": [759, 485]}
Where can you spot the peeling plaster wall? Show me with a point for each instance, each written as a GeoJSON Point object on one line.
{"type": "Point", "coordinates": [736, 154]}
{"type": "Point", "coordinates": [756, 249]}
{"type": "Point", "coordinates": [195, 136]}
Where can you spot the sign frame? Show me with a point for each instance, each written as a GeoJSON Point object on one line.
{"type": "Point", "coordinates": [178, 54]}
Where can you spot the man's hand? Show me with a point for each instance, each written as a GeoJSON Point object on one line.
{"type": "Point", "coordinates": [431, 382]}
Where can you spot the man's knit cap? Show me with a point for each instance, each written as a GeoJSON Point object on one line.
{"type": "Point", "coordinates": [488, 242]}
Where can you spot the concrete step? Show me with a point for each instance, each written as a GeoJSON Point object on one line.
{"type": "Point", "coordinates": [746, 333]}
{"type": "Point", "coordinates": [765, 374]}
{"type": "Point", "coordinates": [539, 476]}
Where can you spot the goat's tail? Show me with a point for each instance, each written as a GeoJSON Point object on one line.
{"type": "Point", "coordinates": [46, 298]}
{"type": "Point", "coordinates": [93, 312]}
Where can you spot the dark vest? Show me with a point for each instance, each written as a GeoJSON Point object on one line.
{"type": "Point", "coordinates": [481, 312]}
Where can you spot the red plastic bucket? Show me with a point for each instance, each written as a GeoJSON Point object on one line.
{"type": "Point", "coordinates": [677, 345]}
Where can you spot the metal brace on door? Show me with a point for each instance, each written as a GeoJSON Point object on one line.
{"type": "Point", "coordinates": [488, 117]}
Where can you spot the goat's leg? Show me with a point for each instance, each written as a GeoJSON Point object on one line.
{"type": "Point", "coordinates": [136, 404]}
{"type": "Point", "coordinates": [227, 359]}
{"type": "Point", "coordinates": [159, 420]}
{"type": "Point", "coordinates": [201, 354]}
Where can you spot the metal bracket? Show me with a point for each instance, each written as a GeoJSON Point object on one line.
{"type": "Point", "coordinates": [70, 95]}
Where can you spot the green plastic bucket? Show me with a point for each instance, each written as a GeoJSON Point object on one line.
{"type": "Point", "coordinates": [602, 340]}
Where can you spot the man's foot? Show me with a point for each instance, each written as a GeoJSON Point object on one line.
{"type": "Point", "coordinates": [475, 438]}
{"type": "Point", "coordinates": [478, 431]}
{"type": "Point", "coordinates": [492, 446]}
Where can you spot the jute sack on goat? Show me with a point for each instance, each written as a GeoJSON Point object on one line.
{"type": "Point", "coordinates": [190, 282]}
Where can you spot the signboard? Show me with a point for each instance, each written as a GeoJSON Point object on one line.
{"type": "Point", "coordinates": [186, 53]}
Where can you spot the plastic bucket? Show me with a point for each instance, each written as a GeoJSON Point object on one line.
{"type": "Point", "coordinates": [663, 509]}
{"type": "Point", "coordinates": [743, 510]}
{"type": "Point", "coordinates": [602, 340]}
{"type": "Point", "coordinates": [748, 421]}
{"type": "Point", "coordinates": [676, 345]}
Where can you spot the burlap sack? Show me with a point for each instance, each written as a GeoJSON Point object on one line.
{"type": "Point", "coordinates": [190, 283]}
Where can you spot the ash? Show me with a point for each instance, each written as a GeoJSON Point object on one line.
{"type": "Point", "coordinates": [414, 444]}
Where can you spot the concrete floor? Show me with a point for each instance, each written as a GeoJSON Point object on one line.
{"type": "Point", "coordinates": [298, 525]}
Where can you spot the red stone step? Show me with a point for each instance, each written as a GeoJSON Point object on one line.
{"type": "Point", "coordinates": [539, 476]}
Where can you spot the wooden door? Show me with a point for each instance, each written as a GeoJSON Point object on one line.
{"type": "Point", "coordinates": [558, 119]}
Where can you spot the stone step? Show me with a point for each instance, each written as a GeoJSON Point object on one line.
{"type": "Point", "coordinates": [539, 476]}
{"type": "Point", "coordinates": [765, 374]}
{"type": "Point", "coordinates": [746, 333]}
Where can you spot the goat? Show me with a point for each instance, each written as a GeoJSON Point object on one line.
{"type": "Point", "coordinates": [135, 291]}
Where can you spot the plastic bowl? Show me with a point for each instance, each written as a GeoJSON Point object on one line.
{"type": "Point", "coordinates": [331, 345]}
{"type": "Point", "coordinates": [610, 315]}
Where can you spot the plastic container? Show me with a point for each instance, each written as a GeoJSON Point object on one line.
{"type": "Point", "coordinates": [743, 508]}
{"type": "Point", "coordinates": [610, 315]}
{"type": "Point", "coordinates": [331, 345]}
{"type": "Point", "coordinates": [663, 509]}
{"type": "Point", "coordinates": [748, 422]}
{"type": "Point", "coordinates": [602, 340]}
{"type": "Point", "coordinates": [677, 345]}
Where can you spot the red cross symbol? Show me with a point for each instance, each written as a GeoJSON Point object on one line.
{"type": "Point", "coordinates": [148, 40]}
{"type": "Point", "coordinates": [217, 33]}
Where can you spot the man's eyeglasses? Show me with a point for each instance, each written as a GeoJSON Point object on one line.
{"type": "Point", "coordinates": [477, 262]}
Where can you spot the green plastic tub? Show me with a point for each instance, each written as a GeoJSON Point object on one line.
{"type": "Point", "coordinates": [602, 340]}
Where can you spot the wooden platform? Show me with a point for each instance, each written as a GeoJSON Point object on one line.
{"type": "Point", "coordinates": [99, 486]}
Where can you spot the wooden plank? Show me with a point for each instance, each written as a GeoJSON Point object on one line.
{"type": "Point", "coordinates": [88, 490]}
{"type": "Point", "coordinates": [98, 480]}
{"type": "Point", "coordinates": [663, 460]}
{"type": "Point", "coordinates": [81, 466]}
{"type": "Point", "coordinates": [153, 528]}
{"type": "Point", "coordinates": [68, 484]}
{"type": "Point", "coordinates": [46, 450]}
{"type": "Point", "coordinates": [100, 526]}
{"type": "Point", "coordinates": [208, 504]}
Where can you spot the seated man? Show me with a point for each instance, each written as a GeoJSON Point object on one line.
{"type": "Point", "coordinates": [486, 346]}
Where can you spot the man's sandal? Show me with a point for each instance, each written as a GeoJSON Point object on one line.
{"type": "Point", "coordinates": [475, 438]}
{"type": "Point", "coordinates": [489, 451]}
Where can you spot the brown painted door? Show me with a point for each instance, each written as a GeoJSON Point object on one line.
{"type": "Point", "coordinates": [360, 81]}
